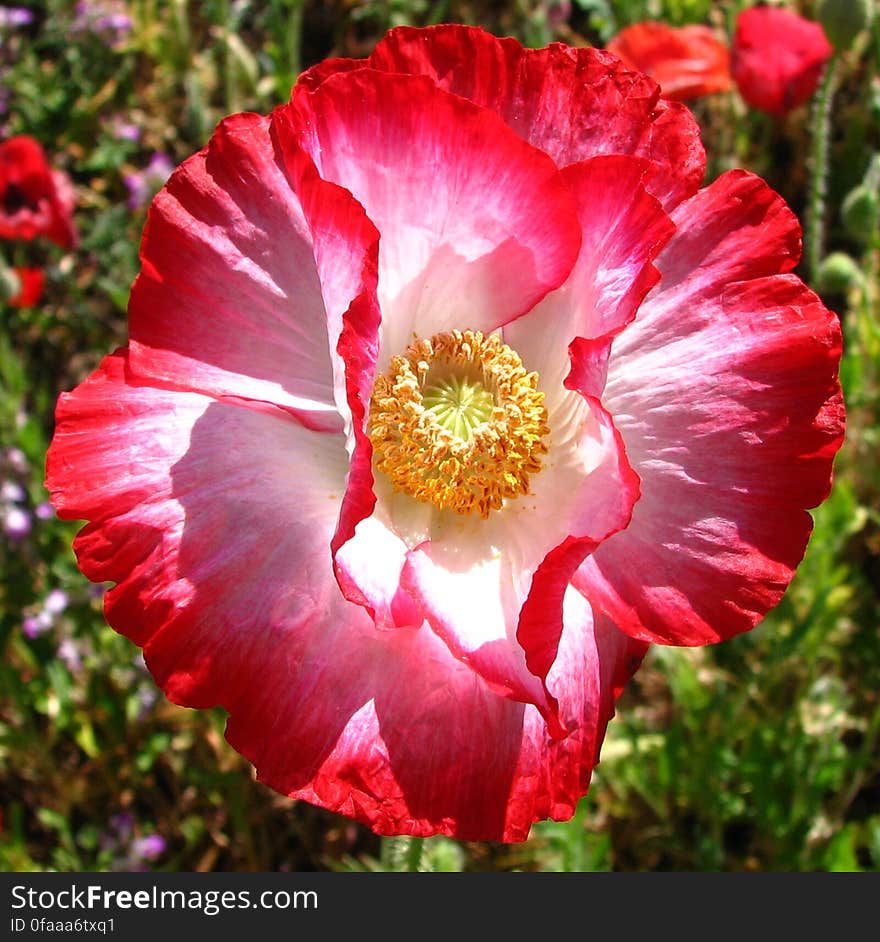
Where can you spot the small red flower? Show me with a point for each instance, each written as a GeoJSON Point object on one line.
{"type": "Point", "coordinates": [35, 200]}
{"type": "Point", "coordinates": [777, 58]}
{"type": "Point", "coordinates": [30, 287]}
{"type": "Point", "coordinates": [448, 391]}
{"type": "Point", "coordinates": [687, 62]}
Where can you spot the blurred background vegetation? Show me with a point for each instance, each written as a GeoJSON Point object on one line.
{"type": "Point", "coordinates": [760, 753]}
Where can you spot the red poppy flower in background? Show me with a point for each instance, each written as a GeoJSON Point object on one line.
{"type": "Point", "coordinates": [777, 58]}
{"type": "Point", "coordinates": [30, 287]}
{"type": "Point", "coordinates": [687, 62]}
{"type": "Point", "coordinates": [35, 200]}
{"type": "Point", "coordinates": [448, 390]}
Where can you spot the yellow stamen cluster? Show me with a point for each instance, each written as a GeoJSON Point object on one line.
{"type": "Point", "coordinates": [458, 422]}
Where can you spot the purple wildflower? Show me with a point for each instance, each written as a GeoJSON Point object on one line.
{"type": "Point", "coordinates": [147, 697]}
{"type": "Point", "coordinates": [55, 602]}
{"type": "Point", "coordinates": [69, 653]}
{"type": "Point", "coordinates": [35, 625]}
{"type": "Point", "coordinates": [124, 130]}
{"type": "Point", "coordinates": [107, 18]}
{"type": "Point", "coordinates": [12, 492]}
{"type": "Point", "coordinates": [143, 185]}
{"type": "Point", "coordinates": [15, 16]}
{"type": "Point", "coordinates": [122, 825]}
{"type": "Point", "coordinates": [44, 511]}
{"type": "Point", "coordinates": [149, 847]}
{"type": "Point", "coordinates": [16, 460]}
{"type": "Point", "coordinates": [15, 522]}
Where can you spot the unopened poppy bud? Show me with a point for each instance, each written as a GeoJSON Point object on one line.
{"type": "Point", "coordinates": [843, 20]}
{"type": "Point", "coordinates": [837, 273]}
{"type": "Point", "coordinates": [860, 213]}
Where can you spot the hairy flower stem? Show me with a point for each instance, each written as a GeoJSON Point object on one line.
{"type": "Point", "coordinates": [815, 227]}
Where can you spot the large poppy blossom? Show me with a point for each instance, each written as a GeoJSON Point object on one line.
{"type": "Point", "coordinates": [777, 58]}
{"type": "Point", "coordinates": [686, 61]}
{"type": "Point", "coordinates": [448, 390]}
{"type": "Point", "coordinates": [35, 199]}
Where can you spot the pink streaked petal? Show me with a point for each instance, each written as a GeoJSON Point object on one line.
{"type": "Point", "coordinates": [385, 727]}
{"type": "Point", "coordinates": [94, 474]}
{"type": "Point", "coordinates": [571, 103]}
{"type": "Point", "coordinates": [346, 247]}
{"type": "Point", "coordinates": [589, 365]}
{"type": "Point", "coordinates": [623, 229]}
{"type": "Point", "coordinates": [675, 149]}
{"type": "Point", "coordinates": [318, 73]}
{"type": "Point", "coordinates": [368, 565]}
{"type": "Point", "coordinates": [492, 589]}
{"type": "Point", "coordinates": [476, 226]}
{"type": "Point", "coordinates": [599, 504]}
{"type": "Point", "coordinates": [229, 300]}
{"type": "Point", "coordinates": [593, 663]}
{"type": "Point", "coordinates": [160, 473]}
{"type": "Point", "coordinates": [735, 229]}
{"type": "Point", "coordinates": [731, 417]}
{"type": "Point", "coordinates": [417, 744]}
{"type": "Point", "coordinates": [473, 610]}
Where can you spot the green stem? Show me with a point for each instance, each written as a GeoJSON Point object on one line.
{"type": "Point", "coordinates": [815, 228]}
{"type": "Point", "coordinates": [414, 855]}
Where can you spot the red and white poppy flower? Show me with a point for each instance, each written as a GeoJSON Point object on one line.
{"type": "Point", "coordinates": [447, 391]}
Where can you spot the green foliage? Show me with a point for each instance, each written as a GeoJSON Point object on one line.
{"type": "Point", "coordinates": [760, 753]}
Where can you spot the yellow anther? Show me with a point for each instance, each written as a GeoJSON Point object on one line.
{"type": "Point", "coordinates": [458, 422]}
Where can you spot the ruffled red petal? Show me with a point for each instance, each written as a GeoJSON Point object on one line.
{"type": "Point", "coordinates": [725, 391]}
{"type": "Point", "coordinates": [571, 103]}
{"type": "Point", "coordinates": [230, 300]}
{"type": "Point", "coordinates": [623, 228]}
{"type": "Point", "coordinates": [475, 225]}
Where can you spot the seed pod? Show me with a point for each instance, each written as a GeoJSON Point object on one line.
{"type": "Point", "coordinates": [837, 273]}
{"type": "Point", "coordinates": [843, 20]}
{"type": "Point", "coordinates": [860, 213]}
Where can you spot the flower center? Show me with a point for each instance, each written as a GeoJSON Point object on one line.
{"type": "Point", "coordinates": [458, 422]}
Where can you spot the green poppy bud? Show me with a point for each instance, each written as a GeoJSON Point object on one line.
{"type": "Point", "coordinates": [843, 20]}
{"type": "Point", "coordinates": [837, 273]}
{"type": "Point", "coordinates": [860, 213]}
